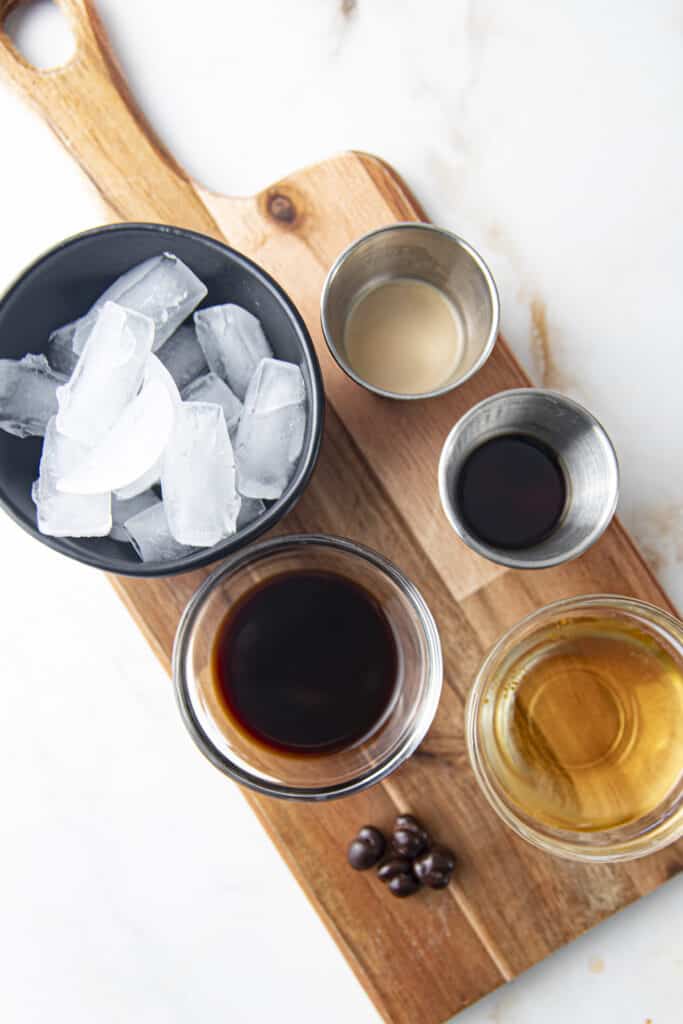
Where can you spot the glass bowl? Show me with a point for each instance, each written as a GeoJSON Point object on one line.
{"type": "Point", "coordinates": [312, 776]}
{"type": "Point", "coordinates": [605, 787]}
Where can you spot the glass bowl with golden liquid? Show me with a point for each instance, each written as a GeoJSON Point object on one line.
{"type": "Point", "coordinates": [575, 728]}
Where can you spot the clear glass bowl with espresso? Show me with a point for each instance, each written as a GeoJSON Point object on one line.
{"type": "Point", "coordinates": [575, 728]}
{"type": "Point", "coordinates": [307, 667]}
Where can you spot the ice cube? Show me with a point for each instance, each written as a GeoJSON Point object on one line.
{"type": "Point", "coordinates": [233, 343]}
{"type": "Point", "coordinates": [149, 533]}
{"type": "Point", "coordinates": [275, 385]}
{"type": "Point", "coordinates": [182, 356]}
{"type": "Point", "coordinates": [28, 395]}
{"type": "Point", "coordinates": [210, 388]}
{"type": "Point", "coordinates": [60, 351]}
{"type": "Point", "coordinates": [133, 446]}
{"type": "Point", "coordinates": [143, 483]}
{"type": "Point", "coordinates": [153, 475]}
{"type": "Point", "coordinates": [122, 511]}
{"type": "Point", "coordinates": [250, 509]}
{"type": "Point", "coordinates": [108, 374]}
{"type": "Point", "coordinates": [161, 287]}
{"type": "Point", "coordinates": [198, 476]}
{"type": "Point", "coordinates": [271, 431]}
{"type": "Point", "coordinates": [67, 515]}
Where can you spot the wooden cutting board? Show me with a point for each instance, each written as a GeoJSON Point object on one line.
{"type": "Point", "coordinates": [422, 959]}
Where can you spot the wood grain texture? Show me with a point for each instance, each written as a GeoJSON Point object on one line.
{"type": "Point", "coordinates": [424, 959]}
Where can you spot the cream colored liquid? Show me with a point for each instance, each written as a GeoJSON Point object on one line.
{"type": "Point", "coordinates": [404, 336]}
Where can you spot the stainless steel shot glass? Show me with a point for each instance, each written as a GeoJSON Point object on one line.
{"type": "Point", "coordinates": [419, 252]}
{"type": "Point", "coordinates": [586, 456]}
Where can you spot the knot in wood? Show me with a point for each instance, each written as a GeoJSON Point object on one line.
{"type": "Point", "coordinates": [281, 208]}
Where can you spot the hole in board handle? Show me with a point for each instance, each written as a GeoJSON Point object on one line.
{"type": "Point", "coordinates": [41, 34]}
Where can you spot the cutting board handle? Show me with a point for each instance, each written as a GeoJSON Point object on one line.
{"type": "Point", "coordinates": [88, 106]}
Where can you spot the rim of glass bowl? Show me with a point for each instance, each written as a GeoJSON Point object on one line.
{"type": "Point", "coordinates": [423, 718]}
{"type": "Point", "coordinates": [574, 846]}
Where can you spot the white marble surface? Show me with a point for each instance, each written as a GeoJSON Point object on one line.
{"type": "Point", "coordinates": [135, 885]}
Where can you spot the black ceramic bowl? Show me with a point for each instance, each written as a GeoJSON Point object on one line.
{"type": "Point", "coordinates": [62, 284]}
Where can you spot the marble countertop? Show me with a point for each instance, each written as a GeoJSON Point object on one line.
{"type": "Point", "coordinates": [136, 885]}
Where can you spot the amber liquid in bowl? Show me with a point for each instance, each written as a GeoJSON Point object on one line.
{"type": "Point", "coordinates": [588, 725]}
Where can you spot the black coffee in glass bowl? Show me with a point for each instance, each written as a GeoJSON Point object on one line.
{"type": "Point", "coordinates": [306, 663]}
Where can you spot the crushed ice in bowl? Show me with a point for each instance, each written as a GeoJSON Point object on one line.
{"type": "Point", "coordinates": [139, 446]}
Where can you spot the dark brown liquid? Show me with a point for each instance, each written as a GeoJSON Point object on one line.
{"type": "Point", "coordinates": [306, 663]}
{"type": "Point", "coordinates": [511, 491]}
